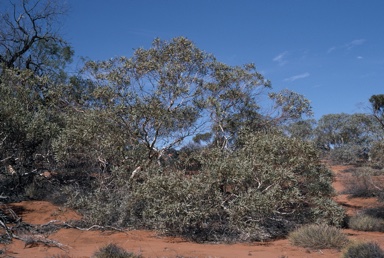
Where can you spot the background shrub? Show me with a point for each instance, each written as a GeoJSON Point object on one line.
{"type": "Point", "coordinates": [318, 237]}
{"type": "Point", "coordinates": [364, 182]}
{"type": "Point", "coordinates": [114, 251]}
{"type": "Point", "coordinates": [364, 250]}
{"type": "Point", "coordinates": [348, 154]}
{"type": "Point", "coordinates": [364, 222]}
{"type": "Point", "coordinates": [377, 154]}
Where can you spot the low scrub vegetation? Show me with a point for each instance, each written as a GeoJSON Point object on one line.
{"type": "Point", "coordinates": [174, 140]}
{"type": "Point", "coordinates": [258, 192]}
{"type": "Point", "coordinates": [318, 237]}
{"type": "Point", "coordinates": [364, 222]}
{"type": "Point", "coordinates": [377, 154]}
{"type": "Point", "coordinates": [114, 251]}
{"type": "Point", "coordinates": [364, 250]}
{"type": "Point", "coordinates": [364, 182]}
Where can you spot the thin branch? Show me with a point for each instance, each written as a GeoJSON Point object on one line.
{"type": "Point", "coordinates": [91, 227]}
{"type": "Point", "coordinates": [32, 240]}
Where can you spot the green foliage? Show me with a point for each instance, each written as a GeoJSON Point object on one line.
{"type": "Point", "coordinates": [292, 171]}
{"type": "Point", "coordinates": [243, 185]}
{"type": "Point", "coordinates": [29, 123]}
{"type": "Point", "coordinates": [230, 100]}
{"type": "Point", "coordinates": [92, 141]}
{"type": "Point", "coordinates": [290, 105]}
{"type": "Point", "coordinates": [377, 154]}
{"type": "Point", "coordinates": [377, 102]}
{"type": "Point", "coordinates": [114, 251]}
{"type": "Point", "coordinates": [347, 138]}
{"type": "Point", "coordinates": [258, 192]}
{"type": "Point", "coordinates": [363, 250]}
{"type": "Point", "coordinates": [173, 91]}
{"type": "Point", "coordinates": [155, 96]}
{"type": "Point", "coordinates": [176, 205]}
{"type": "Point", "coordinates": [203, 137]}
{"type": "Point", "coordinates": [349, 154]}
{"type": "Point", "coordinates": [318, 237]}
{"type": "Point", "coordinates": [302, 129]}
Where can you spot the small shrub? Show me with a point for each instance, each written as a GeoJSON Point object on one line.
{"type": "Point", "coordinates": [364, 222]}
{"type": "Point", "coordinates": [318, 237]}
{"type": "Point", "coordinates": [362, 183]}
{"type": "Point", "coordinates": [380, 196]}
{"type": "Point", "coordinates": [364, 250]}
{"type": "Point", "coordinates": [377, 154]}
{"type": "Point", "coordinates": [114, 251]}
{"type": "Point", "coordinates": [377, 212]}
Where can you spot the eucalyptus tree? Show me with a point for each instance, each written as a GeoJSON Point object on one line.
{"type": "Point", "coordinates": [173, 91]}
{"type": "Point", "coordinates": [377, 102]}
{"type": "Point", "coordinates": [231, 96]}
{"type": "Point", "coordinates": [302, 129]}
{"type": "Point", "coordinates": [348, 137]}
{"type": "Point", "coordinates": [156, 96]}
{"type": "Point", "coordinates": [329, 130]}
{"type": "Point", "coordinates": [165, 96]}
{"type": "Point", "coordinates": [376, 154]}
{"type": "Point", "coordinates": [33, 58]}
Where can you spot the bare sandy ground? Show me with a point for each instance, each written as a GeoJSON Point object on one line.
{"type": "Point", "coordinates": [80, 243]}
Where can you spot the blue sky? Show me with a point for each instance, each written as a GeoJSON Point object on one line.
{"type": "Point", "coordinates": [331, 51]}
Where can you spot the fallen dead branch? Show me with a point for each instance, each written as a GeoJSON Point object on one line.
{"type": "Point", "coordinates": [7, 230]}
{"type": "Point", "coordinates": [34, 235]}
{"type": "Point", "coordinates": [34, 240]}
{"type": "Point", "coordinates": [68, 225]}
{"type": "Point", "coordinates": [95, 227]}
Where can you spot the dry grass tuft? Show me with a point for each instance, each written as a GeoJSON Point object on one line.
{"type": "Point", "coordinates": [318, 237]}
{"type": "Point", "coordinates": [114, 251]}
{"type": "Point", "coordinates": [364, 222]}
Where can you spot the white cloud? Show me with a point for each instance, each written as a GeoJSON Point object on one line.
{"type": "Point", "coordinates": [331, 49]}
{"type": "Point", "coordinates": [280, 58]}
{"type": "Point", "coordinates": [354, 43]}
{"type": "Point", "coordinates": [296, 77]}
{"type": "Point", "coordinates": [347, 46]}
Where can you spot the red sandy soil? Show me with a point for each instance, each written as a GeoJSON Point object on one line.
{"type": "Point", "coordinates": [80, 243]}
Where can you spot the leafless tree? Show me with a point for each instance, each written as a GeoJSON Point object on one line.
{"type": "Point", "coordinates": [29, 34]}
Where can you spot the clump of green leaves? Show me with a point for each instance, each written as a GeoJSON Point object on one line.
{"type": "Point", "coordinates": [28, 125]}
{"type": "Point", "coordinates": [318, 237]}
